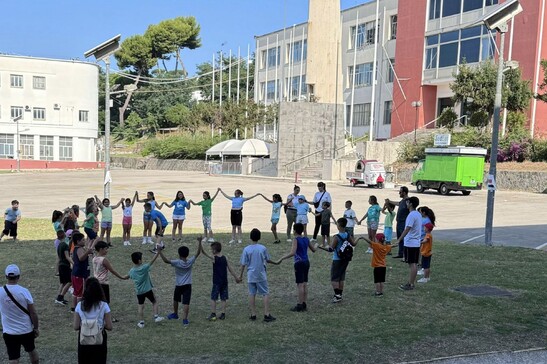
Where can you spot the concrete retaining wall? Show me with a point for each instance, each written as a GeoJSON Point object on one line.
{"type": "Point", "coordinates": [159, 164]}
{"type": "Point", "coordinates": [385, 151]}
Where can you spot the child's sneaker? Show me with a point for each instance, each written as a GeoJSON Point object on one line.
{"type": "Point", "coordinates": [252, 318]}
{"type": "Point", "coordinates": [277, 242]}
{"type": "Point", "coordinates": [421, 272]}
{"type": "Point", "coordinates": [61, 302]}
{"type": "Point", "coordinates": [140, 325]}
{"type": "Point", "coordinates": [297, 308]}
{"type": "Point", "coordinates": [378, 294]}
{"type": "Point", "coordinates": [212, 317]}
{"type": "Point", "coordinates": [423, 280]}
{"type": "Point", "coordinates": [173, 316]}
{"type": "Point", "coordinates": [204, 240]}
{"type": "Point", "coordinates": [369, 251]}
{"type": "Point", "coordinates": [149, 240]}
{"type": "Point", "coordinates": [239, 241]}
{"type": "Point", "coordinates": [316, 246]}
{"type": "Point", "coordinates": [144, 240]}
{"type": "Point", "coordinates": [71, 290]}
{"type": "Point", "coordinates": [289, 240]}
{"type": "Point", "coordinates": [406, 287]}
{"type": "Point", "coordinates": [159, 319]}
{"type": "Point", "coordinates": [185, 323]}
{"type": "Point", "coordinates": [337, 298]}
{"type": "Point", "coordinates": [231, 241]}
{"type": "Point", "coordinates": [269, 318]}
{"type": "Point", "coordinates": [210, 240]}
{"type": "Point", "coordinates": [222, 316]}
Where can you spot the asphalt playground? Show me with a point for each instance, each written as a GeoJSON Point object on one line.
{"type": "Point", "coordinates": [518, 217]}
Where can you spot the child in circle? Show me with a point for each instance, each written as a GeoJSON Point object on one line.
{"type": "Point", "coordinates": [350, 215]}
{"type": "Point", "coordinates": [302, 209]}
{"type": "Point", "coordinates": [147, 231]}
{"type": "Point", "coordinates": [378, 261]}
{"type": "Point", "coordinates": [236, 213]}
{"type": "Point", "coordinates": [425, 251]}
{"type": "Point", "coordinates": [277, 203]}
{"type": "Point", "coordinates": [56, 219]}
{"type": "Point", "coordinates": [179, 213]}
{"type": "Point", "coordinates": [388, 210]}
{"type": "Point", "coordinates": [89, 224]}
{"type": "Point", "coordinates": [106, 217]}
{"type": "Point", "coordinates": [206, 214]}
{"type": "Point", "coordinates": [373, 218]}
{"type": "Point", "coordinates": [127, 220]}
{"type": "Point", "coordinates": [326, 217]}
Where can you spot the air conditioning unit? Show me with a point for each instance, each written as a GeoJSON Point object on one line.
{"type": "Point", "coordinates": [57, 106]}
{"type": "Point", "coordinates": [27, 108]}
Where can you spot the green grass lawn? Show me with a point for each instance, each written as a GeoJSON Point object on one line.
{"type": "Point", "coordinates": [431, 321]}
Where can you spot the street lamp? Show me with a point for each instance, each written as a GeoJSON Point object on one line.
{"type": "Point", "coordinates": [497, 20]}
{"type": "Point", "coordinates": [102, 52]}
{"type": "Point", "coordinates": [416, 105]}
{"type": "Point", "coordinates": [18, 155]}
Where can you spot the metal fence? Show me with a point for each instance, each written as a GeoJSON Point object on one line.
{"type": "Point", "coordinates": [224, 167]}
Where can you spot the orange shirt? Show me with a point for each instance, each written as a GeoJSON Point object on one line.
{"type": "Point", "coordinates": [379, 253]}
{"type": "Point", "coordinates": [425, 248]}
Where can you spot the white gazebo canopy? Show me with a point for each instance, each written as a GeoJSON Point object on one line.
{"type": "Point", "coordinates": [218, 148]}
{"type": "Point", "coordinates": [240, 148]}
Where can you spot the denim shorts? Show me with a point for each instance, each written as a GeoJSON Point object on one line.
{"type": "Point", "coordinates": [258, 287]}
{"type": "Point", "coordinates": [106, 224]}
{"type": "Point", "coordinates": [219, 290]}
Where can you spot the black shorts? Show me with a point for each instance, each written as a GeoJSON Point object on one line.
{"type": "Point", "coordinates": [338, 270]}
{"type": "Point", "coordinates": [91, 234]}
{"type": "Point", "coordinates": [325, 229]}
{"type": "Point", "coordinates": [149, 295]}
{"type": "Point", "coordinates": [106, 291]}
{"type": "Point", "coordinates": [412, 255]}
{"type": "Point", "coordinates": [10, 229]}
{"type": "Point", "coordinates": [183, 294]}
{"type": "Point", "coordinates": [301, 270]}
{"type": "Point", "coordinates": [160, 230]}
{"type": "Point", "coordinates": [14, 342]}
{"type": "Point", "coordinates": [219, 290]}
{"type": "Point", "coordinates": [65, 274]}
{"type": "Point", "coordinates": [236, 217]}
{"type": "Point", "coordinates": [379, 274]}
{"type": "Point", "coordinates": [426, 262]}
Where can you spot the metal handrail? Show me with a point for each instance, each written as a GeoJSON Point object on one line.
{"type": "Point", "coordinates": [286, 166]}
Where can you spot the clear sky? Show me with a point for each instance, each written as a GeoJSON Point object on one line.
{"type": "Point", "coordinates": [65, 29]}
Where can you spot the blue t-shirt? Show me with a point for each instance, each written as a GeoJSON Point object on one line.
{"type": "Point", "coordinates": [255, 257]}
{"type": "Point", "coordinates": [11, 214]}
{"type": "Point", "coordinates": [374, 213]}
{"type": "Point", "coordinates": [180, 207]}
{"type": "Point", "coordinates": [237, 202]}
{"type": "Point", "coordinates": [276, 210]}
{"type": "Point", "coordinates": [154, 214]}
{"type": "Point", "coordinates": [301, 208]}
{"type": "Point", "coordinates": [183, 270]}
{"type": "Point", "coordinates": [425, 220]}
{"type": "Point", "coordinates": [340, 238]}
{"type": "Point", "coordinates": [302, 244]}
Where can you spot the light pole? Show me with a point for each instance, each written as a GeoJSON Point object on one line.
{"type": "Point", "coordinates": [497, 20]}
{"type": "Point", "coordinates": [18, 155]}
{"type": "Point", "coordinates": [416, 105]}
{"type": "Point", "coordinates": [102, 52]}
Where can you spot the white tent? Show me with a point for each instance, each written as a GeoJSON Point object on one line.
{"type": "Point", "coordinates": [218, 149]}
{"type": "Point", "coordinates": [247, 147]}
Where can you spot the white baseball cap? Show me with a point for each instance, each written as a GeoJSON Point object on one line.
{"type": "Point", "coordinates": [12, 271]}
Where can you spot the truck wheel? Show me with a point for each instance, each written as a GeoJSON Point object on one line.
{"type": "Point", "coordinates": [466, 193]}
{"type": "Point", "coordinates": [443, 190]}
{"type": "Point", "coordinates": [419, 187]}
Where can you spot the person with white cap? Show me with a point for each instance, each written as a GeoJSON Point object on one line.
{"type": "Point", "coordinates": [19, 317]}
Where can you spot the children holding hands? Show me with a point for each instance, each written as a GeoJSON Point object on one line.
{"type": "Point", "coordinates": [378, 261]}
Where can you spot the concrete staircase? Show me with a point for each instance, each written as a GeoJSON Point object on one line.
{"type": "Point", "coordinates": [313, 171]}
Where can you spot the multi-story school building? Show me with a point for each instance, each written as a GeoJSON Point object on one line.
{"type": "Point", "coordinates": [413, 48]}
{"type": "Point", "coordinates": [48, 112]}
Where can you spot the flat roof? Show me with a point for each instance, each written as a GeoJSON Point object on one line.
{"type": "Point", "coordinates": [456, 150]}
{"type": "Point", "coordinates": [50, 59]}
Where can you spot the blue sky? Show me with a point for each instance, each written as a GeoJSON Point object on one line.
{"type": "Point", "coordinates": [65, 29]}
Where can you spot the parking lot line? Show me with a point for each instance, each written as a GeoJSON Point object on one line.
{"type": "Point", "coordinates": [474, 238]}
{"type": "Point", "coordinates": [541, 246]}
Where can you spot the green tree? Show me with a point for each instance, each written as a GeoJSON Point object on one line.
{"type": "Point", "coordinates": [475, 87]}
{"type": "Point", "coordinates": [543, 85]}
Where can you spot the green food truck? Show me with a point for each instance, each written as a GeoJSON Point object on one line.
{"type": "Point", "coordinates": [450, 169]}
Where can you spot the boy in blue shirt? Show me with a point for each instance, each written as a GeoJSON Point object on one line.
{"type": "Point", "coordinates": [255, 257]}
{"type": "Point", "coordinates": [11, 218]}
{"type": "Point", "coordinates": [140, 274]}
{"type": "Point", "coordinates": [160, 220]}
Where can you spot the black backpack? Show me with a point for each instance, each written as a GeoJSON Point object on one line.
{"type": "Point", "coordinates": [345, 252]}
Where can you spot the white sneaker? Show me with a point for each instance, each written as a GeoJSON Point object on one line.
{"type": "Point", "coordinates": [144, 240]}
{"type": "Point", "coordinates": [140, 325]}
{"type": "Point", "coordinates": [231, 241]}
{"type": "Point", "coordinates": [289, 240]}
{"type": "Point", "coordinates": [128, 243]}
{"type": "Point", "coordinates": [316, 246]}
{"type": "Point", "coordinates": [159, 319]}
{"type": "Point", "coordinates": [423, 280]}
{"type": "Point", "coordinates": [149, 240]}
{"type": "Point", "coordinates": [71, 290]}
{"type": "Point", "coordinates": [125, 243]}
{"type": "Point", "coordinates": [239, 241]}
{"type": "Point", "coordinates": [312, 240]}
{"type": "Point", "coordinates": [204, 240]}
{"type": "Point", "coordinates": [421, 272]}
{"type": "Point", "coordinates": [211, 240]}
{"type": "Point", "coordinates": [369, 251]}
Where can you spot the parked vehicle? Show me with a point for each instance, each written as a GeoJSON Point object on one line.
{"type": "Point", "coordinates": [368, 172]}
{"type": "Point", "coordinates": [450, 169]}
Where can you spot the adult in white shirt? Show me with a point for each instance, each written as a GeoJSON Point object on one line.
{"type": "Point", "coordinates": [411, 237]}
{"type": "Point", "coordinates": [290, 213]}
{"type": "Point", "coordinates": [19, 320]}
{"type": "Point", "coordinates": [320, 196]}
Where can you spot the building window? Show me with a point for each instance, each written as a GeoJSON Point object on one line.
{"type": "Point", "coordinates": [434, 9]}
{"type": "Point", "coordinates": [270, 91]}
{"type": "Point", "coordinates": [6, 146]}
{"type": "Point", "coordinates": [387, 112]}
{"type": "Point", "coordinates": [65, 148]}
{"type": "Point", "coordinates": [273, 57]}
{"type": "Point", "coordinates": [46, 148]}
{"type": "Point", "coordinates": [16, 111]}
{"type": "Point", "coordinates": [363, 74]}
{"type": "Point", "coordinates": [39, 113]}
{"type": "Point", "coordinates": [361, 115]}
{"type": "Point", "coordinates": [452, 7]}
{"type": "Point", "coordinates": [299, 51]}
{"type": "Point", "coordinates": [295, 83]}
{"type": "Point", "coordinates": [391, 70]}
{"type": "Point", "coordinates": [27, 146]}
{"type": "Point", "coordinates": [490, 2]}
{"type": "Point", "coordinates": [393, 27]}
{"type": "Point", "coordinates": [263, 60]}
{"type": "Point", "coordinates": [39, 82]}
{"type": "Point", "coordinates": [84, 116]}
{"type": "Point", "coordinates": [366, 35]}
{"type": "Point", "coordinates": [16, 81]}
